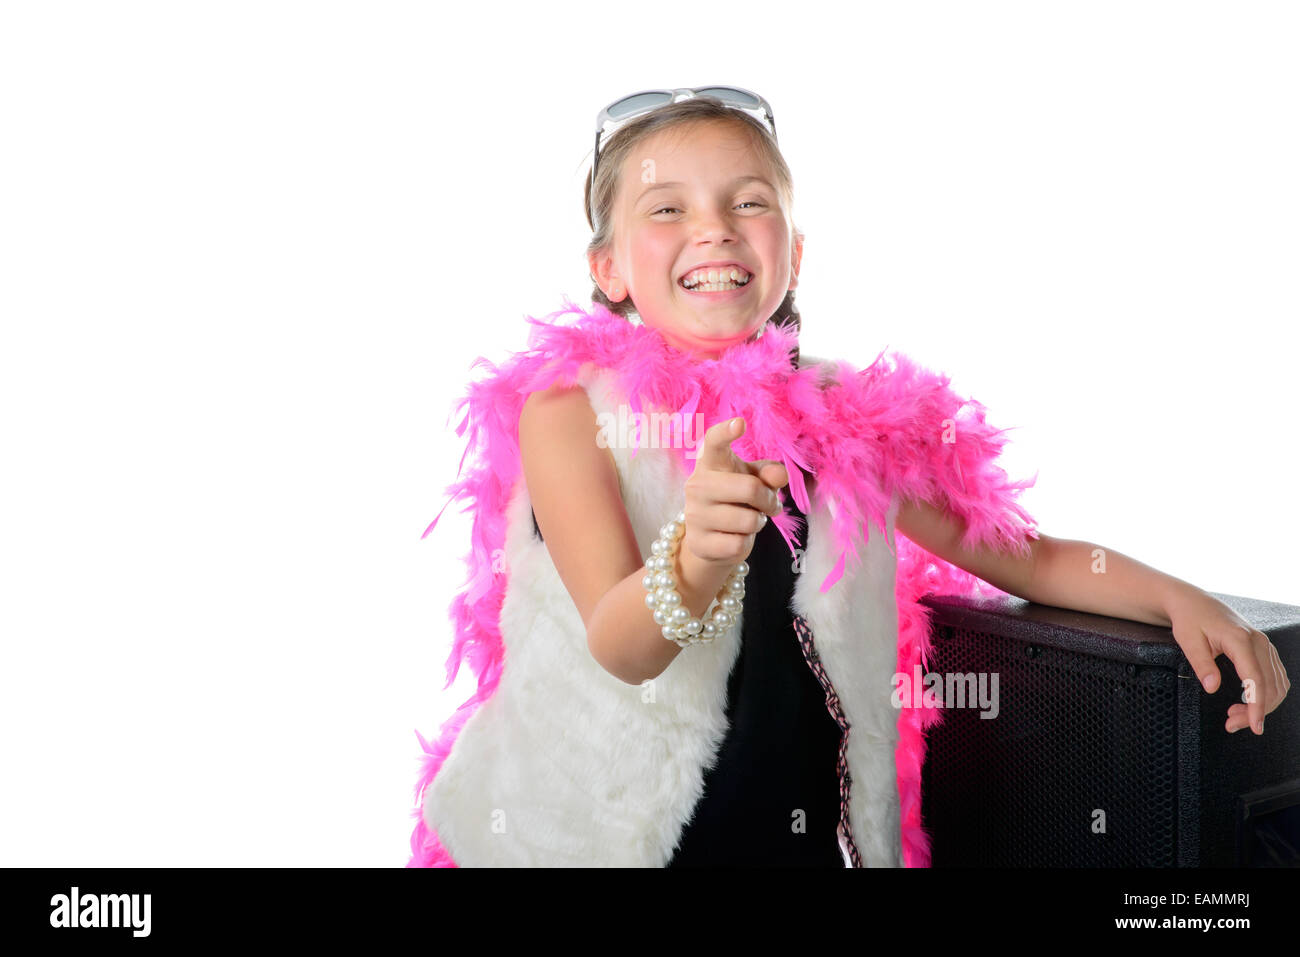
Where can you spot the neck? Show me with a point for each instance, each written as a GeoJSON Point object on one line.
{"type": "Point", "coordinates": [700, 353]}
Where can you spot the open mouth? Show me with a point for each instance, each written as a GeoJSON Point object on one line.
{"type": "Point", "coordinates": [715, 280]}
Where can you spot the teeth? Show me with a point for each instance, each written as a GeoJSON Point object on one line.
{"type": "Point", "coordinates": [713, 280]}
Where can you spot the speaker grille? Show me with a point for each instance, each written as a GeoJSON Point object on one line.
{"type": "Point", "coordinates": [1074, 735]}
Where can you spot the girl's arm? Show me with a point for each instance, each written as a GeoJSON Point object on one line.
{"type": "Point", "coordinates": [1085, 577]}
{"type": "Point", "coordinates": [1068, 574]}
{"type": "Point", "coordinates": [573, 484]}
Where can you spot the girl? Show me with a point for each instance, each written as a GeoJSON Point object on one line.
{"type": "Point", "coordinates": [592, 740]}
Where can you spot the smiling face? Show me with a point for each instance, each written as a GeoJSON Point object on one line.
{"type": "Point", "coordinates": [699, 194]}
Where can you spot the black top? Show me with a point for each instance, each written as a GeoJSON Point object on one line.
{"type": "Point", "coordinates": [781, 749]}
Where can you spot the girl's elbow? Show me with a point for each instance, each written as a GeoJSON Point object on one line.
{"type": "Point", "coordinates": [622, 670]}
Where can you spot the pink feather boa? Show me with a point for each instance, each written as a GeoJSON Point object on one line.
{"type": "Point", "coordinates": [893, 426]}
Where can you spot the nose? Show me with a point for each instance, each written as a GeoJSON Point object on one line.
{"type": "Point", "coordinates": [714, 226]}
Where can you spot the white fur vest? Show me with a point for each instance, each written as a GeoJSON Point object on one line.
{"type": "Point", "coordinates": [556, 762]}
{"type": "Point", "coordinates": [567, 765]}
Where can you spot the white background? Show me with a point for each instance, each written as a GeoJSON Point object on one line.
{"type": "Point", "coordinates": [248, 252]}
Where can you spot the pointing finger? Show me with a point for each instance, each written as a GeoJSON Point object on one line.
{"type": "Point", "coordinates": [716, 452]}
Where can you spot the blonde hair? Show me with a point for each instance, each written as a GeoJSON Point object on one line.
{"type": "Point", "coordinates": [615, 150]}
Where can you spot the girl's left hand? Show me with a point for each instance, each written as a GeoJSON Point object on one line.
{"type": "Point", "coordinates": [1205, 628]}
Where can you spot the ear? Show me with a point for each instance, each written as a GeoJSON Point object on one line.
{"type": "Point", "coordinates": [796, 258]}
{"type": "Point", "coordinates": [605, 275]}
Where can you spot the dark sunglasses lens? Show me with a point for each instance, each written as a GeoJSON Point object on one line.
{"type": "Point", "coordinates": [730, 95]}
{"type": "Point", "coordinates": [638, 101]}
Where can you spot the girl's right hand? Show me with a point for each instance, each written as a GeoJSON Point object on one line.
{"type": "Point", "coordinates": [728, 499]}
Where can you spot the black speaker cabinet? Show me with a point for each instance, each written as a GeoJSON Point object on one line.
{"type": "Point", "coordinates": [1105, 751]}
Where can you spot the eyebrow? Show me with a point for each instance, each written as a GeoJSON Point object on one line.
{"type": "Point", "coordinates": [735, 182]}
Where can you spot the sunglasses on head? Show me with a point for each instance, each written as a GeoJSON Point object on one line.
{"type": "Point", "coordinates": [636, 104]}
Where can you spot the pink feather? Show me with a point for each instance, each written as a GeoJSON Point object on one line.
{"type": "Point", "coordinates": [891, 427]}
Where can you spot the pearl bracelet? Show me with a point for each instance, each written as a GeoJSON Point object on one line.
{"type": "Point", "coordinates": [663, 598]}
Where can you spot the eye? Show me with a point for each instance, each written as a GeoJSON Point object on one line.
{"type": "Point", "coordinates": [664, 209]}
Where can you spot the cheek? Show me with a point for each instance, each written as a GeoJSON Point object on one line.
{"type": "Point", "coordinates": [780, 240]}
{"type": "Point", "coordinates": [654, 251]}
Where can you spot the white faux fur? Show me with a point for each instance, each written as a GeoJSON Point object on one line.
{"type": "Point", "coordinates": [566, 765]}
{"type": "Point", "coordinates": [855, 632]}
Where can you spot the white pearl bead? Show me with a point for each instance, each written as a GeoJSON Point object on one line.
{"type": "Point", "coordinates": [662, 597]}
